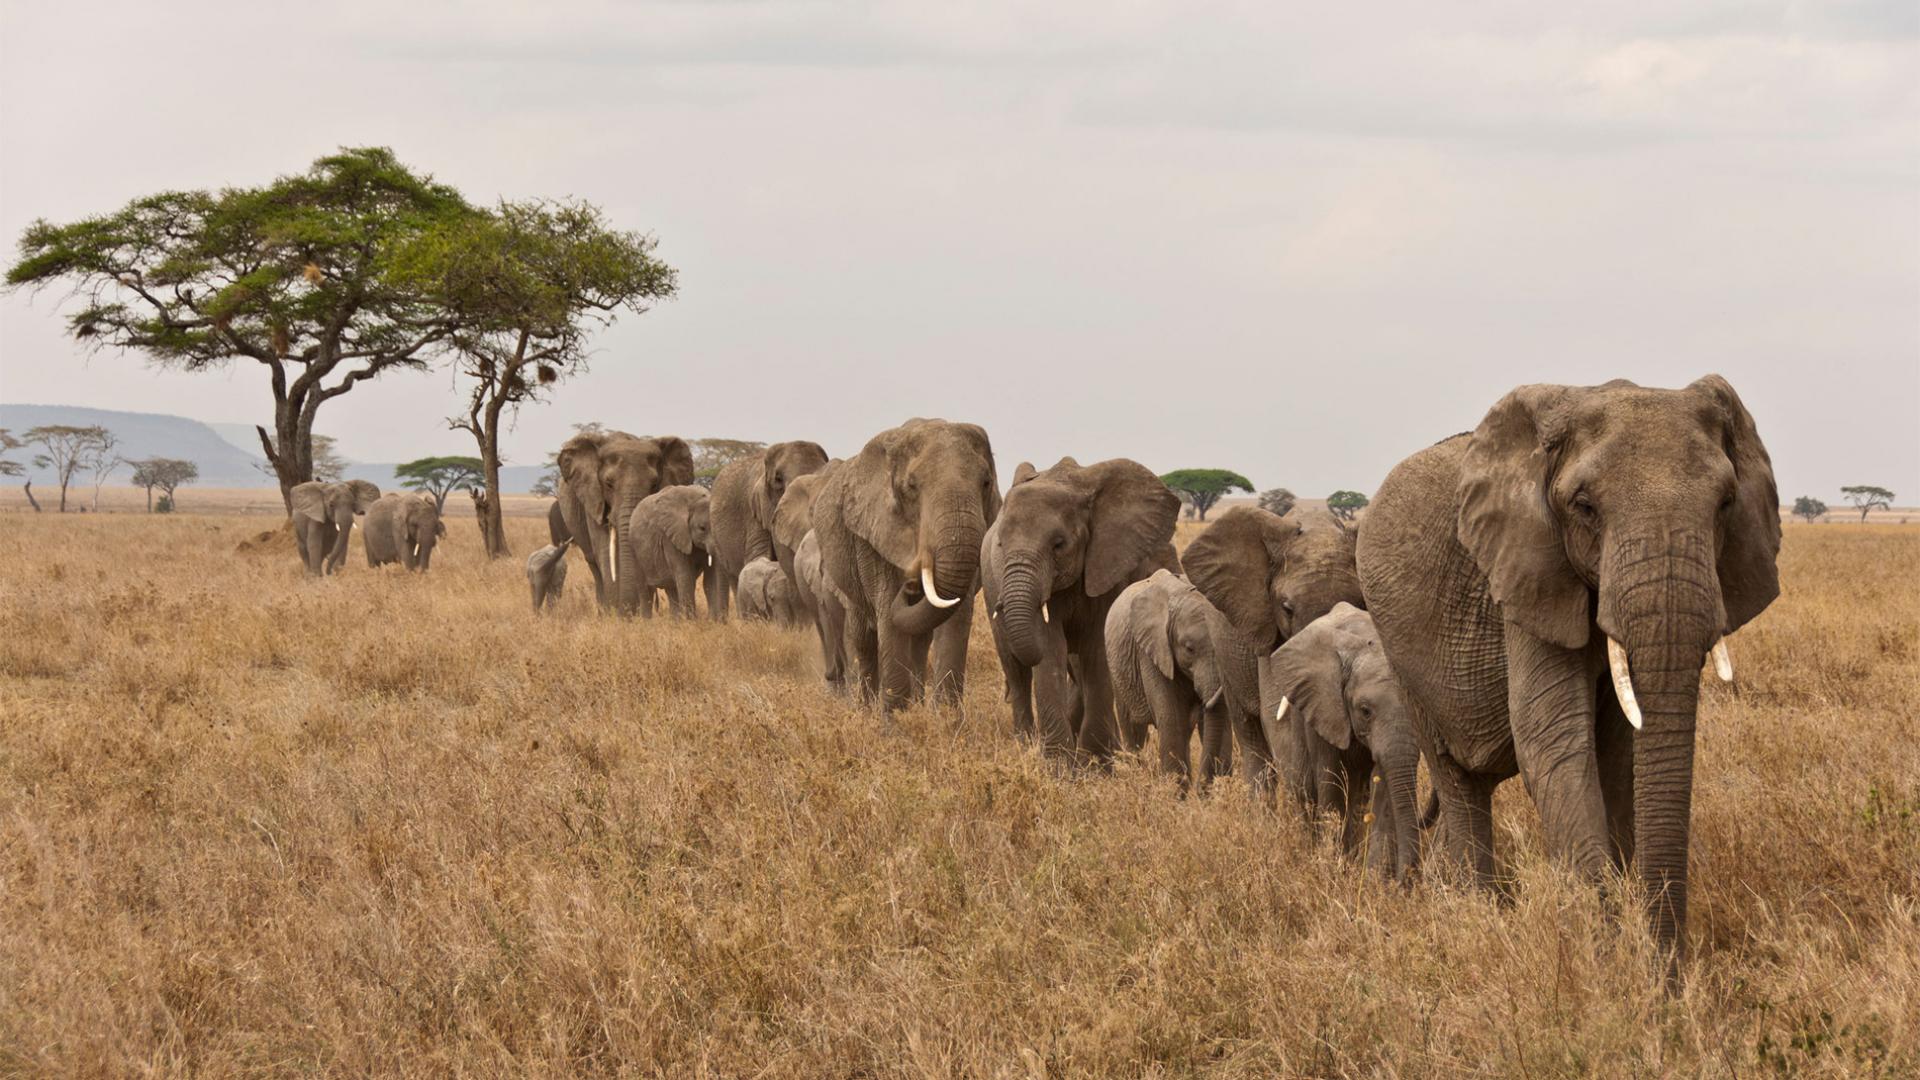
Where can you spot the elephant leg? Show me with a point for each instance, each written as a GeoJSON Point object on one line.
{"type": "Point", "coordinates": [1019, 679]}
{"type": "Point", "coordinates": [1173, 715]}
{"type": "Point", "coordinates": [950, 641]}
{"type": "Point", "coordinates": [1056, 697]}
{"type": "Point", "coordinates": [683, 588]}
{"type": "Point", "coordinates": [1216, 741]}
{"type": "Point", "coordinates": [339, 557]}
{"type": "Point", "coordinates": [918, 650]}
{"type": "Point", "coordinates": [1257, 767]}
{"type": "Point", "coordinates": [1466, 815]}
{"type": "Point", "coordinates": [1550, 703]}
{"type": "Point", "coordinates": [646, 600]}
{"type": "Point", "coordinates": [833, 643]}
{"type": "Point", "coordinates": [722, 585]}
{"type": "Point", "coordinates": [1097, 735]}
{"type": "Point", "coordinates": [1613, 746]}
{"type": "Point", "coordinates": [893, 655]}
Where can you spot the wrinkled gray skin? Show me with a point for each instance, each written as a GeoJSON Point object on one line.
{"type": "Point", "coordinates": [557, 532]}
{"type": "Point", "coordinates": [547, 573]}
{"type": "Point", "coordinates": [746, 496]}
{"type": "Point", "coordinates": [1271, 576]}
{"type": "Point", "coordinates": [603, 477]}
{"type": "Point", "coordinates": [1341, 698]}
{"type": "Point", "coordinates": [1498, 564]}
{"type": "Point", "coordinates": [670, 533]}
{"type": "Point", "coordinates": [792, 521]}
{"type": "Point", "coordinates": [323, 520]}
{"type": "Point", "coordinates": [764, 593]}
{"type": "Point", "coordinates": [828, 605]}
{"type": "Point", "coordinates": [1165, 645]}
{"type": "Point", "coordinates": [403, 528]}
{"type": "Point", "coordinates": [1067, 542]}
{"type": "Point", "coordinates": [916, 498]}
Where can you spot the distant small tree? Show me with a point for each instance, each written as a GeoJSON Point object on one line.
{"type": "Point", "coordinates": [15, 468]}
{"type": "Point", "coordinates": [549, 483]}
{"type": "Point", "coordinates": [165, 474]}
{"type": "Point", "coordinates": [1276, 501]}
{"type": "Point", "coordinates": [1205, 486]}
{"type": "Point", "coordinates": [106, 461]}
{"type": "Point", "coordinates": [712, 455]}
{"type": "Point", "coordinates": [1345, 504]}
{"type": "Point", "coordinates": [1806, 506]}
{"type": "Point", "coordinates": [1867, 497]}
{"type": "Point", "coordinates": [68, 449]}
{"type": "Point", "coordinates": [440, 475]}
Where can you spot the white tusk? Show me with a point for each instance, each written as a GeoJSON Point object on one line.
{"type": "Point", "coordinates": [1281, 712]}
{"type": "Point", "coordinates": [1044, 617]}
{"type": "Point", "coordinates": [1215, 699]}
{"type": "Point", "coordinates": [613, 561]}
{"type": "Point", "coordinates": [1623, 682]}
{"type": "Point", "coordinates": [1722, 661]}
{"type": "Point", "coordinates": [933, 594]}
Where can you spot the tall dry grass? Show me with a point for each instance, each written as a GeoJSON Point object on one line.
{"type": "Point", "coordinates": [251, 823]}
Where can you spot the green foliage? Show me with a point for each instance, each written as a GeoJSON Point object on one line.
{"type": "Point", "coordinates": [1867, 497]}
{"type": "Point", "coordinates": [164, 505]}
{"type": "Point", "coordinates": [1808, 507]}
{"type": "Point", "coordinates": [440, 475]}
{"type": "Point", "coordinates": [165, 474]}
{"type": "Point", "coordinates": [8, 442]}
{"type": "Point", "coordinates": [68, 449]}
{"type": "Point", "coordinates": [1277, 501]}
{"type": "Point", "coordinates": [1344, 504]}
{"type": "Point", "coordinates": [712, 455]}
{"type": "Point", "coordinates": [1204, 487]}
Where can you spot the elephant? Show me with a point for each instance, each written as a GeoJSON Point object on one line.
{"type": "Point", "coordinates": [403, 529]}
{"type": "Point", "coordinates": [792, 521]}
{"type": "Point", "coordinates": [603, 477]}
{"type": "Point", "coordinates": [1271, 575]}
{"type": "Point", "coordinates": [670, 532]}
{"type": "Point", "coordinates": [1067, 541]}
{"type": "Point", "coordinates": [828, 604]}
{"type": "Point", "coordinates": [547, 572]}
{"type": "Point", "coordinates": [1547, 588]}
{"type": "Point", "coordinates": [557, 531]}
{"type": "Point", "coordinates": [764, 592]}
{"type": "Point", "coordinates": [1165, 647]}
{"type": "Point", "coordinates": [900, 526]}
{"type": "Point", "coordinates": [746, 495]}
{"type": "Point", "coordinates": [1331, 683]}
{"type": "Point", "coordinates": [323, 520]}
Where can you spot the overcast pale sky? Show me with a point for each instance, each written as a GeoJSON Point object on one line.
{"type": "Point", "coordinates": [1298, 243]}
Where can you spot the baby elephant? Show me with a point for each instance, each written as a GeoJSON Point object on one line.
{"type": "Point", "coordinates": [1165, 648]}
{"type": "Point", "coordinates": [765, 593]}
{"type": "Point", "coordinates": [403, 529]}
{"type": "Point", "coordinates": [669, 532]}
{"type": "Point", "coordinates": [547, 572]}
{"type": "Point", "coordinates": [1329, 694]}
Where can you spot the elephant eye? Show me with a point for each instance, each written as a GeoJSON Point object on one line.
{"type": "Point", "coordinates": [1286, 605]}
{"type": "Point", "coordinates": [1060, 542]}
{"type": "Point", "coordinates": [1583, 505]}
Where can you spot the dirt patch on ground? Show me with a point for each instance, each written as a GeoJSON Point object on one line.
{"type": "Point", "coordinates": [271, 542]}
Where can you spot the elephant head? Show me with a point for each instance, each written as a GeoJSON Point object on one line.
{"type": "Point", "coordinates": [420, 529]}
{"type": "Point", "coordinates": [1335, 682]}
{"type": "Point", "coordinates": [688, 522]}
{"type": "Point", "coordinates": [781, 465]}
{"type": "Point", "coordinates": [921, 496]}
{"type": "Point", "coordinates": [1091, 528]}
{"type": "Point", "coordinates": [605, 475]}
{"type": "Point", "coordinates": [1271, 575]}
{"type": "Point", "coordinates": [793, 517]}
{"type": "Point", "coordinates": [332, 503]}
{"type": "Point", "coordinates": [1651, 514]}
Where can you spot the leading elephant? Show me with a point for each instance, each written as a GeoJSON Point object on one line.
{"type": "Point", "coordinates": [899, 528]}
{"type": "Point", "coordinates": [1547, 589]}
{"type": "Point", "coordinates": [403, 528]}
{"type": "Point", "coordinates": [603, 477]}
{"type": "Point", "coordinates": [1170, 652]}
{"type": "Point", "coordinates": [323, 514]}
{"type": "Point", "coordinates": [1068, 540]}
{"type": "Point", "coordinates": [746, 495]}
{"type": "Point", "coordinates": [1271, 575]}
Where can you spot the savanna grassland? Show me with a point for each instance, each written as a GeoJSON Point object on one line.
{"type": "Point", "coordinates": [252, 823]}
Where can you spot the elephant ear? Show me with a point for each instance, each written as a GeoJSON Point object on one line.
{"type": "Point", "coordinates": [1236, 659]}
{"type": "Point", "coordinates": [1311, 671]}
{"type": "Point", "coordinates": [1233, 564]}
{"type": "Point", "coordinates": [679, 523]}
{"type": "Point", "coordinates": [1022, 473]}
{"type": "Point", "coordinates": [1506, 524]}
{"type": "Point", "coordinates": [310, 500]}
{"type": "Point", "coordinates": [794, 516]}
{"type": "Point", "coordinates": [676, 461]}
{"type": "Point", "coordinates": [580, 471]}
{"type": "Point", "coordinates": [1749, 574]}
{"type": "Point", "coordinates": [1153, 622]}
{"type": "Point", "coordinates": [364, 494]}
{"type": "Point", "coordinates": [1131, 519]}
{"type": "Point", "coordinates": [869, 508]}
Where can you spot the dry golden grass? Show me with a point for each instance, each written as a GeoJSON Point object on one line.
{"type": "Point", "coordinates": [251, 823]}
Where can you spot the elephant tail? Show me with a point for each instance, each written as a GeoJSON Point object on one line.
{"type": "Point", "coordinates": [1430, 813]}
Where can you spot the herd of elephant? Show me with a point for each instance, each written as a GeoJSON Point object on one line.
{"type": "Point", "coordinates": [1536, 597]}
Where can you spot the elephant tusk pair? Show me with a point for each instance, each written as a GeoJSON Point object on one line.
{"type": "Point", "coordinates": [933, 594]}
{"type": "Point", "coordinates": [1623, 676]}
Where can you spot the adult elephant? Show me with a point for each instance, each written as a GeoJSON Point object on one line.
{"type": "Point", "coordinates": [746, 495]}
{"type": "Point", "coordinates": [603, 477]}
{"type": "Point", "coordinates": [1068, 540]}
{"type": "Point", "coordinates": [813, 604]}
{"type": "Point", "coordinates": [1547, 588]}
{"type": "Point", "coordinates": [403, 528]}
{"type": "Point", "coordinates": [1271, 575]}
{"type": "Point", "coordinates": [829, 607]}
{"type": "Point", "coordinates": [1169, 651]}
{"type": "Point", "coordinates": [899, 528]}
{"type": "Point", "coordinates": [323, 520]}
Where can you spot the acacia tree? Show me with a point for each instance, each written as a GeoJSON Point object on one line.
{"type": "Point", "coordinates": [1345, 504]}
{"type": "Point", "coordinates": [1867, 496]}
{"type": "Point", "coordinates": [439, 475]}
{"type": "Point", "coordinates": [1808, 507]}
{"type": "Point", "coordinates": [165, 474]}
{"type": "Point", "coordinates": [15, 468]}
{"type": "Point", "coordinates": [295, 276]}
{"type": "Point", "coordinates": [67, 450]}
{"type": "Point", "coordinates": [527, 284]}
{"type": "Point", "coordinates": [712, 455]}
{"type": "Point", "coordinates": [106, 460]}
{"type": "Point", "coordinates": [1276, 501]}
{"type": "Point", "coordinates": [1205, 486]}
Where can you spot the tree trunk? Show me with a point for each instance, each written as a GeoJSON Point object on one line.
{"type": "Point", "coordinates": [31, 501]}
{"type": "Point", "coordinates": [149, 498]}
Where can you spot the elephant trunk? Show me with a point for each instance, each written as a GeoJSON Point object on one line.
{"type": "Point", "coordinates": [343, 531]}
{"type": "Point", "coordinates": [1399, 770]}
{"type": "Point", "coordinates": [625, 562]}
{"type": "Point", "coordinates": [1020, 605]}
{"type": "Point", "coordinates": [943, 575]}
